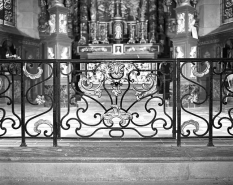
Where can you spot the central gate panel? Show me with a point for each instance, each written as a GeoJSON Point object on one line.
{"type": "Point", "coordinates": [119, 100]}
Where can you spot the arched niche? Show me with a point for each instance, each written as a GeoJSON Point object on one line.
{"type": "Point", "coordinates": [7, 47]}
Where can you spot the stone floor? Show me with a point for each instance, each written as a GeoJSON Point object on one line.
{"type": "Point", "coordinates": [183, 182]}
{"type": "Point", "coordinates": [122, 161]}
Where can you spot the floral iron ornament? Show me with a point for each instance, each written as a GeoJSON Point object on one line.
{"type": "Point", "coordinates": [117, 112]}
{"type": "Point", "coordinates": [86, 86]}
{"type": "Point", "coordinates": [147, 89]}
{"type": "Point", "coordinates": [40, 100]}
{"type": "Point", "coordinates": [115, 74]}
{"type": "Point", "coordinates": [105, 72]}
{"type": "Point", "coordinates": [116, 70]}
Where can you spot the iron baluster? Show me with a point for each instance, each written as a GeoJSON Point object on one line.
{"type": "Point", "coordinates": [56, 100]}
{"type": "Point", "coordinates": [178, 104]}
{"type": "Point", "coordinates": [23, 128]}
{"type": "Point", "coordinates": [174, 81]}
{"type": "Point", "coordinates": [210, 143]}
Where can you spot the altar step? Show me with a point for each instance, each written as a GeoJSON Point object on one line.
{"type": "Point", "coordinates": [119, 163]}
{"type": "Point", "coordinates": [121, 173]}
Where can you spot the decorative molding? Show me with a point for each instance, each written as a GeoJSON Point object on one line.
{"type": "Point", "coordinates": [94, 49]}
{"type": "Point", "coordinates": [212, 41]}
{"type": "Point", "coordinates": [30, 43]}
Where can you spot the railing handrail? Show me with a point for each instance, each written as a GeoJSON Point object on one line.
{"type": "Point", "coordinates": [110, 60]}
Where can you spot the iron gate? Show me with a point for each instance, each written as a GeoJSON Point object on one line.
{"type": "Point", "coordinates": [115, 99]}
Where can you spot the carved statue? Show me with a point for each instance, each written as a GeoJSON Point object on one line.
{"type": "Point", "coordinates": [118, 32]}
{"type": "Point", "coordinates": [179, 52]}
{"type": "Point", "coordinates": [93, 10]}
{"type": "Point", "coordinates": [181, 23]}
{"type": "Point", "coordinates": [52, 23]}
{"type": "Point", "coordinates": [65, 53]}
{"type": "Point", "coordinates": [62, 23]}
{"type": "Point", "coordinates": [50, 53]}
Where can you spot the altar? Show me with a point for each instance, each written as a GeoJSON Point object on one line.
{"type": "Point", "coordinates": [119, 51]}
{"type": "Point", "coordinates": [127, 29]}
{"type": "Point", "coordinates": [120, 29]}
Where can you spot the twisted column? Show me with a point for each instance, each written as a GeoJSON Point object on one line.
{"type": "Point", "coordinates": [83, 22]}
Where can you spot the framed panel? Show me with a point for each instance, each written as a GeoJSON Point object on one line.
{"type": "Point", "coordinates": [118, 49]}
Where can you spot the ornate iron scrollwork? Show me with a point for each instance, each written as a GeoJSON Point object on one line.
{"type": "Point", "coordinates": [147, 89]}
{"type": "Point", "coordinates": [106, 72]}
{"type": "Point", "coordinates": [115, 80]}
{"type": "Point", "coordinates": [116, 73]}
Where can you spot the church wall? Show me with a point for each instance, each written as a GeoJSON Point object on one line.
{"type": "Point", "coordinates": [209, 15]}
{"type": "Point", "coordinates": [27, 17]}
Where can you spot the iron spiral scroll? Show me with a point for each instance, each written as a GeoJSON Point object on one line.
{"type": "Point", "coordinates": [107, 86]}
{"type": "Point", "coordinates": [225, 111]}
{"type": "Point", "coordinates": [189, 93]}
{"type": "Point", "coordinates": [8, 72]}
{"type": "Point", "coordinates": [16, 96]}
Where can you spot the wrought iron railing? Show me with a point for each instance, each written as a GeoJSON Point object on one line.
{"type": "Point", "coordinates": [116, 99]}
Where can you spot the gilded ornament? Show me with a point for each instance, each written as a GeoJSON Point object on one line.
{"type": "Point", "coordinates": [40, 100]}
{"type": "Point", "coordinates": [117, 112]}
{"type": "Point", "coordinates": [190, 122]}
{"type": "Point", "coordinates": [32, 76]}
{"type": "Point", "coordinates": [42, 122]}
{"type": "Point", "coordinates": [197, 74]}
{"type": "Point", "coordinates": [146, 89]}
